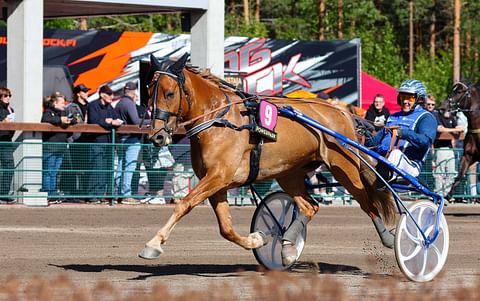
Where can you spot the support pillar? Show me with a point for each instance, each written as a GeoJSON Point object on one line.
{"type": "Point", "coordinates": [207, 34]}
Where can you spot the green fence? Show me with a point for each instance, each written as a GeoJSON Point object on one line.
{"type": "Point", "coordinates": [90, 171]}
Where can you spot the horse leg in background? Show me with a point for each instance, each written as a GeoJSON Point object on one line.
{"type": "Point", "coordinates": [295, 187]}
{"type": "Point", "coordinates": [465, 163]}
{"type": "Point", "coordinates": [221, 208]}
{"type": "Point", "coordinates": [209, 185]}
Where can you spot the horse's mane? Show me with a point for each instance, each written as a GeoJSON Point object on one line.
{"type": "Point", "coordinates": [208, 75]}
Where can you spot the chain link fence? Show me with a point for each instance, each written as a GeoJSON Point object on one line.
{"type": "Point", "coordinates": [78, 172]}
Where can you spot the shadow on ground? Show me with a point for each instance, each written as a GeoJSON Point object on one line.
{"type": "Point", "coordinates": [328, 268]}
{"type": "Point", "coordinates": [204, 270]}
{"type": "Point", "coordinates": [208, 270]}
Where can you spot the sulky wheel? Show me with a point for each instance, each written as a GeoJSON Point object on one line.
{"type": "Point", "coordinates": [273, 216]}
{"type": "Point", "coordinates": [417, 261]}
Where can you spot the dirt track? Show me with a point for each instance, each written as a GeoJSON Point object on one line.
{"type": "Point", "coordinates": [90, 242]}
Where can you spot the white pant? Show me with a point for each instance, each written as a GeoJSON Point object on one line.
{"type": "Point", "coordinates": [445, 170]}
{"type": "Point", "coordinates": [397, 158]}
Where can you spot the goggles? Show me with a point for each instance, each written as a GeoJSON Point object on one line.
{"type": "Point", "coordinates": [411, 98]}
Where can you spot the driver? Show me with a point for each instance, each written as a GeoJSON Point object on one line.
{"type": "Point", "coordinates": [415, 127]}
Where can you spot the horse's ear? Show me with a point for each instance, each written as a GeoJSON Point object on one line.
{"type": "Point", "coordinates": [159, 65]}
{"type": "Point", "coordinates": [155, 63]}
{"type": "Point", "coordinates": [178, 66]}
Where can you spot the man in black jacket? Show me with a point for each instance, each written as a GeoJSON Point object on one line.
{"type": "Point", "coordinates": [6, 148]}
{"type": "Point", "coordinates": [377, 113]}
{"type": "Point", "coordinates": [102, 113]}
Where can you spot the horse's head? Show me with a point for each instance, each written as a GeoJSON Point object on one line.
{"type": "Point", "coordinates": [167, 93]}
{"type": "Point", "coordinates": [459, 98]}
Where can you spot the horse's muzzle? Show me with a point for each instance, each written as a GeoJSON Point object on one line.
{"type": "Point", "coordinates": [161, 138]}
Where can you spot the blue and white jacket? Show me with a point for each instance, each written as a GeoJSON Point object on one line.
{"type": "Point", "coordinates": [418, 128]}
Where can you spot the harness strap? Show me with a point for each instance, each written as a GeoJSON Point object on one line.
{"type": "Point", "coordinates": [216, 122]}
{"type": "Point", "coordinates": [203, 126]}
{"type": "Point", "coordinates": [394, 141]}
{"type": "Point", "coordinates": [254, 161]}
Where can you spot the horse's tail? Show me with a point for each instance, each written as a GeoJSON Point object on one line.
{"type": "Point", "coordinates": [382, 200]}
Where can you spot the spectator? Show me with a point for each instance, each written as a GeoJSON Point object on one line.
{"type": "Point", "coordinates": [78, 108]}
{"type": "Point", "coordinates": [444, 155]}
{"type": "Point", "coordinates": [73, 177]}
{"type": "Point", "coordinates": [430, 103]}
{"type": "Point", "coordinates": [377, 113]}
{"type": "Point", "coordinates": [416, 132]}
{"type": "Point", "coordinates": [129, 150]}
{"type": "Point", "coordinates": [54, 113]}
{"type": "Point", "coordinates": [149, 156]}
{"type": "Point", "coordinates": [102, 113]}
{"type": "Point", "coordinates": [6, 147]}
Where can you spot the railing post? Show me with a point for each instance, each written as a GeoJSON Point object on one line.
{"type": "Point", "coordinates": [114, 192]}
{"type": "Point", "coordinates": [28, 158]}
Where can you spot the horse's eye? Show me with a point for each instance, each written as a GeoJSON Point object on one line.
{"type": "Point", "coordinates": [169, 95]}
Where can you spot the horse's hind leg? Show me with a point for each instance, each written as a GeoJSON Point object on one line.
{"type": "Point", "coordinates": [221, 208]}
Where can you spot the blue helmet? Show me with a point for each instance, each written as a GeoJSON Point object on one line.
{"type": "Point", "coordinates": [413, 86]}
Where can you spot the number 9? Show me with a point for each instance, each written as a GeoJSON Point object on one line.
{"type": "Point", "coordinates": [268, 115]}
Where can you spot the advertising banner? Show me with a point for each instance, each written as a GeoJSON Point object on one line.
{"type": "Point", "coordinates": [261, 66]}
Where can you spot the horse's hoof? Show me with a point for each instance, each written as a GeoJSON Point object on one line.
{"type": "Point", "coordinates": [289, 254]}
{"type": "Point", "coordinates": [388, 239]}
{"type": "Point", "coordinates": [263, 237]}
{"type": "Point", "coordinates": [150, 253]}
{"type": "Point", "coordinates": [259, 238]}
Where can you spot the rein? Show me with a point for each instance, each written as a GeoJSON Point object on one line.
{"type": "Point", "coordinates": [225, 123]}
{"type": "Point", "coordinates": [210, 112]}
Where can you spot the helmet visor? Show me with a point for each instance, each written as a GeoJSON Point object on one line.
{"type": "Point", "coordinates": [407, 97]}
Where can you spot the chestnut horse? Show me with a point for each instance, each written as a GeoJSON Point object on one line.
{"type": "Point", "coordinates": [466, 98]}
{"type": "Point", "coordinates": [221, 145]}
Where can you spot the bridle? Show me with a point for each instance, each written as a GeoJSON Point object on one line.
{"type": "Point", "coordinates": [462, 102]}
{"type": "Point", "coordinates": [163, 115]}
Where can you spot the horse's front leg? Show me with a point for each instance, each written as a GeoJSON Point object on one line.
{"type": "Point", "coordinates": [221, 208]}
{"type": "Point", "coordinates": [465, 163]}
{"type": "Point", "coordinates": [207, 186]}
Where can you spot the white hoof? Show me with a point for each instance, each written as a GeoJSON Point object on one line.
{"type": "Point", "coordinates": [289, 254]}
{"type": "Point", "coordinates": [150, 253]}
{"type": "Point", "coordinates": [259, 239]}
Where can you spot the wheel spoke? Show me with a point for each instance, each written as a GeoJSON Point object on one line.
{"type": "Point", "coordinates": [414, 253]}
{"type": "Point", "coordinates": [420, 212]}
{"type": "Point", "coordinates": [424, 265]}
{"type": "Point", "coordinates": [414, 237]}
{"type": "Point", "coordinates": [274, 246]}
{"type": "Point", "coordinates": [436, 251]}
{"type": "Point", "coordinates": [269, 224]}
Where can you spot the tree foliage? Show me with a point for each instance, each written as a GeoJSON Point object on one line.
{"type": "Point", "coordinates": [170, 23]}
{"type": "Point", "coordinates": [382, 26]}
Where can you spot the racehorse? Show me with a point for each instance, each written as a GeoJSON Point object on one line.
{"type": "Point", "coordinates": [217, 117]}
{"type": "Point", "coordinates": [466, 98]}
